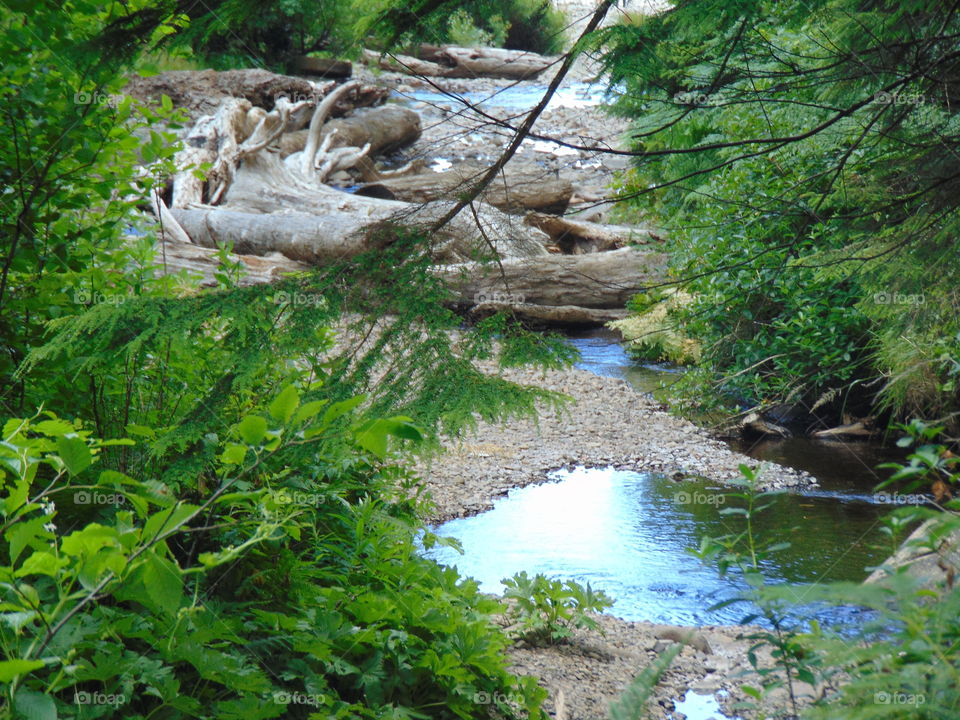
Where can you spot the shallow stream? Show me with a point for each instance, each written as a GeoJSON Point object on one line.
{"type": "Point", "coordinates": [629, 533]}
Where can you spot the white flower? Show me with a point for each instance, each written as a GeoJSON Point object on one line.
{"type": "Point", "coordinates": [49, 507]}
{"type": "Point", "coordinates": [50, 527]}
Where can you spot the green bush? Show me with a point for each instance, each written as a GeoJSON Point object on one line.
{"type": "Point", "coordinates": [546, 611]}
{"type": "Point", "coordinates": [805, 200]}
{"type": "Point", "coordinates": [267, 590]}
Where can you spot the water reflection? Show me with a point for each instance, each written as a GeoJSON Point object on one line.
{"type": "Point", "coordinates": [628, 534]}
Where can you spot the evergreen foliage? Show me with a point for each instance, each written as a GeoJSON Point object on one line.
{"type": "Point", "coordinates": [804, 157]}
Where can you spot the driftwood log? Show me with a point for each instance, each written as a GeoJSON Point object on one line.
{"type": "Point", "coordinates": [200, 92]}
{"type": "Point", "coordinates": [203, 261]}
{"type": "Point", "coordinates": [383, 128]}
{"type": "Point", "coordinates": [549, 315]}
{"type": "Point", "coordinates": [323, 67]}
{"type": "Point", "coordinates": [578, 237]}
{"type": "Point", "coordinates": [458, 62]}
{"type": "Point", "coordinates": [599, 280]}
{"type": "Point", "coordinates": [520, 188]}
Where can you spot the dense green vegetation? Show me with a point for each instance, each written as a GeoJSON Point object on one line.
{"type": "Point", "coordinates": [804, 158]}
{"type": "Point", "coordinates": [244, 33]}
{"type": "Point", "coordinates": [205, 508]}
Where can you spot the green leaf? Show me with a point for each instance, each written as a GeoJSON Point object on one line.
{"type": "Point", "coordinates": [163, 582]}
{"type": "Point", "coordinates": [308, 410]}
{"type": "Point", "coordinates": [166, 520]}
{"type": "Point", "coordinates": [90, 540]}
{"type": "Point", "coordinates": [74, 453]}
{"type": "Point", "coordinates": [284, 405]}
{"type": "Point", "coordinates": [27, 533]}
{"type": "Point", "coordinates": [32, 705]}
{"type": "Point", "coordinates": [9, 669]}
{"type": "Point", "coordinates": [41, 563]}
{"type": "Point", "coordinates": [234, 454]}
{"type": "Point", "coordinates": [373, 434]}
{"type": "Point", "coordinates": [54, 428]}
{"type": "Point", "coordinates": [252, 429]}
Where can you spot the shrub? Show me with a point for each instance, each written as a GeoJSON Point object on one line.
{"type": "Point", "coordinates": [271, 590]}
{"type": "Point", "coordinates": [546, 611]}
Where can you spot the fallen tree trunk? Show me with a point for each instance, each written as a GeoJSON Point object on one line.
{"type": "Point", "coordinates": [550, 315]}
{"type": "Point", "coordinates": [323, 67]}
{"type": "Point", "coordinates": [487, 62]}
{"type": "Point", "coordinates": [458, 62]}
{"type": "Point", "coordinates": [203, 262]}
{"type": "Point", "coordinates": [264, 213]}
{"type": "Point", "coordinates": [599, 280]}
{"type": "Point", "coordinates": [578, 237]}
{"type": "Point", "coordinates": [384, 129]}
{"type": "Point", "coordinates": [200, 92]}
{"type": "Point", "coordinates": [519, 189]}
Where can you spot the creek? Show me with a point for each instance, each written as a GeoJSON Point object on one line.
{"type": "Point", "coordinates": [629, 533]}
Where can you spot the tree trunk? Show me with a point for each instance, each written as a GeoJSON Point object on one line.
{"type": "Point", "coordinates": [578, 237]}
{"type": "Point", "coordinates": [323, 67]}
{"type": "Point", "coordinates": [201, 261]}
{"type": "Point", "coordinates": [200, 92]}
{"type": "Point", "coordinates": [518, 190]}
{"type": "Point", "coordinates": [384, 128]}
{"type": "Point", "coordinates": [599, 280]}
{"type": "Point", "coordinates": [531, 297]}
{"type": "Point", "coordinates": [550, 316]}
{"type": "Point", "coordinates": [458, 62]}
{"type": "Point", "coordinates": [264, 211]}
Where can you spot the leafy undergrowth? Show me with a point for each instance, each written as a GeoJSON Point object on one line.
{"type": "Point", "coordinates": [285, 584]}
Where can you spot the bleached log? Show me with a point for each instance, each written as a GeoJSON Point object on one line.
{"type": "Point", "coordinates": [520, 189]}
{"type": "Point", "coordinates": [598, 280]}
{"type": "Point", "coordinates": [457, 62]}
{"type": "Point", "coordinates": [383, 128]}
{"type": "Point", "coordinates": [578, 237]}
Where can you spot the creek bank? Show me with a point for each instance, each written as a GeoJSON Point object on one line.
{"type": "Point", "coordinates": [609, 424]}
{"type": "Point", "coordinates": [593, 668]}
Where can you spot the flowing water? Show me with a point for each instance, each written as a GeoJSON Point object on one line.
{"type": "Point", "coordinates": [629, 533]}
{"type": "Point", "coordinates": [520, 97]}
